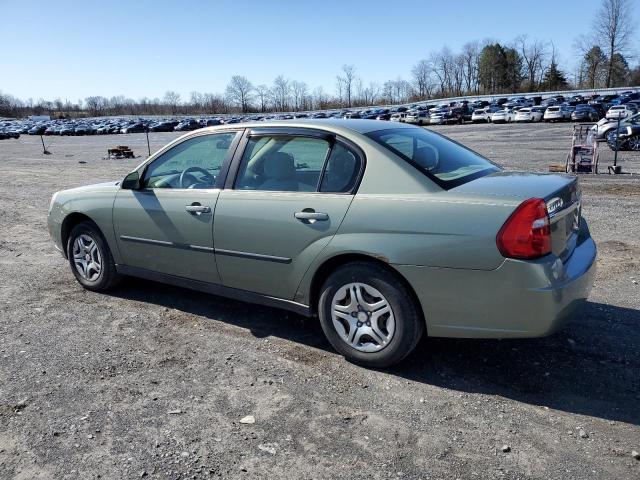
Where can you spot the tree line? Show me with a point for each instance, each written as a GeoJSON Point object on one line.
{"type": "Point", "coordinates": [480, 67]}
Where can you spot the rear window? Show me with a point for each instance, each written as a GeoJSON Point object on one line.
{"type": "Point", "coordinates": [446, 162]}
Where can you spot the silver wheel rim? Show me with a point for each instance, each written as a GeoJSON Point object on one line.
{"type": "Point", "coordinates": [86, 257]}
{"type": "Point", "coordinates": [634, 143]}
{"type": "Point", "coordinates": [362, 317]}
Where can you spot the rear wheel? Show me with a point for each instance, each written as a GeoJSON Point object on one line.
{"type": "Point", "coordinates": [634, 143]}
{"type": "Point", "coordinates": [368, 316]}
{"type": "Point", "coordinates": [90, 258]}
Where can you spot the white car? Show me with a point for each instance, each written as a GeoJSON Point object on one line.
{"type": "Point", "coordinates": [529, 114]}
{"type": "Point", "coordinates": [420, 117]}
{"type": "Point", "coordinates": [503, 116]}
{"type": "Point", "coordinates": [557, 113]}
{"type": "Point", "coordinates": [481, 115]}
{"type": "Point", "coordinates": [620, 111]}
{"type": "Point", "coordinates": [398, 117]}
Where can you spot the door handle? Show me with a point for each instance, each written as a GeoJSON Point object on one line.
{"type": "Point", "coordinates": [197, 208]}
{"type": "Point", "coordinates": [311, 216]}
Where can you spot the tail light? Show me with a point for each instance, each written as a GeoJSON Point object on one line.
{"type": "Point", "coordinates": [526, 233]}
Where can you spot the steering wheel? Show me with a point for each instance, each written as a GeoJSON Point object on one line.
{"type": "Point", "coordinates": [187, 173]}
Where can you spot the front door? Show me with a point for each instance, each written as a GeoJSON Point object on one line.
{"type": "Point", "coordinates": [166, 226]}
{"type": "Point", "coordinates": [289, 198]}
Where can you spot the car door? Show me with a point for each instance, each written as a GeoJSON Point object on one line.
{"type": "Point", "coordinates": [291, 192]}
{"type": "Point", "coordinates": [166, 225]}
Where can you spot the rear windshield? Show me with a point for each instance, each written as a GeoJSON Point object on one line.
{"type": "Point", "coordinates": [446, 162]}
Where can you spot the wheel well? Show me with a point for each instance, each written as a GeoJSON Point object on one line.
{"type": "Point", "coordinates": [68, 223]}
{"type": "Point", "coordinates": [333, 263]}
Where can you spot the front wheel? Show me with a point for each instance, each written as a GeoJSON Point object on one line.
{"type": "Point", "coordinates": [90, 258]}
{"type": "Point", "coordinates": [368, 315]}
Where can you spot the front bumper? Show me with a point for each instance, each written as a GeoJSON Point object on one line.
{"type": "Point", "coordinates": [519, 299]}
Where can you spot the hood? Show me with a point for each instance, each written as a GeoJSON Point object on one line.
{"type": "Point", "coordinates": [96, 187]}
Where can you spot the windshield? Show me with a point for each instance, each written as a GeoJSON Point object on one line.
{"type": "Point", "coordinates": [446, 162]}
{"type": "Point", "coordinates": [634, 120]}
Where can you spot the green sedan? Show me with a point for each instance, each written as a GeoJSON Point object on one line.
{"type": "Point", "coordinates": [382, 230]}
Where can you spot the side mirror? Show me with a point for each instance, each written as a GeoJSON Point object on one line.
{"type": "Point", "coordinates": [131, 181]}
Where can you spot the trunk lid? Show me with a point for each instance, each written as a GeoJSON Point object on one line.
{"type": "Point", "coordinates": [560, 192]}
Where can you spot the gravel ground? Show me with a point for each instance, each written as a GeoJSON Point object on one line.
{"type": "Point", "coordinates": [154, 381]}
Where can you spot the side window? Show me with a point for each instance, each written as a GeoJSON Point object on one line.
{"type": "Point", "coordinates": [194, 163]}
{"type": "Point", "coordinates": [343, 168]}
{"type": "Point", "coordinates": [282, 163]}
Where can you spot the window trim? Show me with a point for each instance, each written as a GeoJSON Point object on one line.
{"type": "Point", "coordinates": [224, 168]}
{"type": "Point", "coordinates": [331, 137]}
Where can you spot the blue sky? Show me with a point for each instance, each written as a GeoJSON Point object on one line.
{"type": "Point", "coordinates": [137, 48]}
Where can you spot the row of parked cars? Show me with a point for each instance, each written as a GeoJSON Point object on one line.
{"type": "Point", "coordinates": [501, 110]}
{"type": "Point", "coordinates": [522, 109]}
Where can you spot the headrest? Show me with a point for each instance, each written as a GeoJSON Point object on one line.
{"type": "Point", "coordinates": [426, 157]}
{"type": "Point", "coordinates": [279, 166]}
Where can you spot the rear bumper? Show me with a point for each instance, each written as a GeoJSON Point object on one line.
{"type": "Point", "coordinates": [519, 299]}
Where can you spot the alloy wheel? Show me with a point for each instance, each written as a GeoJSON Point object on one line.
{"type": "Point", "coordinates": [634, 143]}
{"type": "Point", "coordinates": [363, 317]}
{"type": "Point", "coordinates": [86, 257]}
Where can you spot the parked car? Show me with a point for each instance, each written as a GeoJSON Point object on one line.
{"type": "Point", "coordinates": [398, 117]}
{"type": "Point", "coordinates": [557, 113]}
{"type": "Point", "coordinates": [37, 130]}
{"type": "Point", "coordinates": [529, 114]}
{"type": "Point", "coordinates": [627, 137]}
{"type": "Point", "coordinates": [365, 246]}
{"type": "Point", "coordinates": [604, 126]}
{"type": "Point", "coordinates": [585, 113]}
{"type": "Point", "coordinates": [165, 126]}
{"type": "Point", "coordinates": [621, 111]}
{"type": "Point", "coordinates": [383, 114]}
{"type": "Point", "coordinates": [506, 115]}
{"type": "Point", "coordinates": [419, 117]}
{"type": "Point", "coordinates": [189, 125]}
{"type": "Point", "coordinates": [137, 127]}
{"type": "Point", "coordinates": [480, 115]}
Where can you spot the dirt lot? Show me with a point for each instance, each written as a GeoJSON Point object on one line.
{"type": "Point", "coordinates": [152, 381]}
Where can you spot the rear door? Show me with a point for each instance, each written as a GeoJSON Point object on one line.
{"type": "Point", "coordinates": [289, 195]}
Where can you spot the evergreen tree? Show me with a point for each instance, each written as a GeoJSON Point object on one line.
{"type": "Point", "coordinates": [554, 78]}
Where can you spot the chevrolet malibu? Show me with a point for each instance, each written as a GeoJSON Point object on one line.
{"type": "Point", "coordinates": [384, 231]}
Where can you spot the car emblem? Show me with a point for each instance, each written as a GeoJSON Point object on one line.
{"type": "Point", "coordinates": [554, 205]}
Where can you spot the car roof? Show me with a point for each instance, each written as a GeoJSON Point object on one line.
{"type": "Point", "coordinates": [361, 126]}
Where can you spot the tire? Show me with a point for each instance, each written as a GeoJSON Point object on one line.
{"type": "Point", "coordinates": [634, 143]}
{"type": "Point", "coordinates": [91, 251]}
{"type": "Point", "coordinates": [361, 284]}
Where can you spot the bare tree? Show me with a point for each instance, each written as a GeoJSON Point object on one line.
{"type": "Point", "coordinates": [172, 99]}
{"type": "Point", "coordinates": [299, 92]}
{"type": "Point", "coordinates": [262, 91]}
{"type": "Point", "coordinates": [239, 91]}
{"type": "Point", "coordinates": [533, 56]}
{"type": "Point", "coordinates": [319, 98]}
{"type": "Point", "coordinates": [421, 73]}
{"type": "Point", "coordinates": [470, 57]}
{"type": "Point", "coordinates": [346, 80]}
{"type": "Point", "coordinates": [280, 92]}
{"type": "Point", "coordinates": [614, 25]}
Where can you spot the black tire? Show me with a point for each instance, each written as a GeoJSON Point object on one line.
{"type": "Point", "coordinates": [409, 323]}
{"type": "Point", "coordinates": [108, 277]}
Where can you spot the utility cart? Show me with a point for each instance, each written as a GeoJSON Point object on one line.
{"type": "Point", "coordinates": [583, 156]}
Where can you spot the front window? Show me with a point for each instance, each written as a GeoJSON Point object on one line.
{"type": "Point", "coordinates": [194, 163]}
{"type": "Point", "coordinates": [446, 162]}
